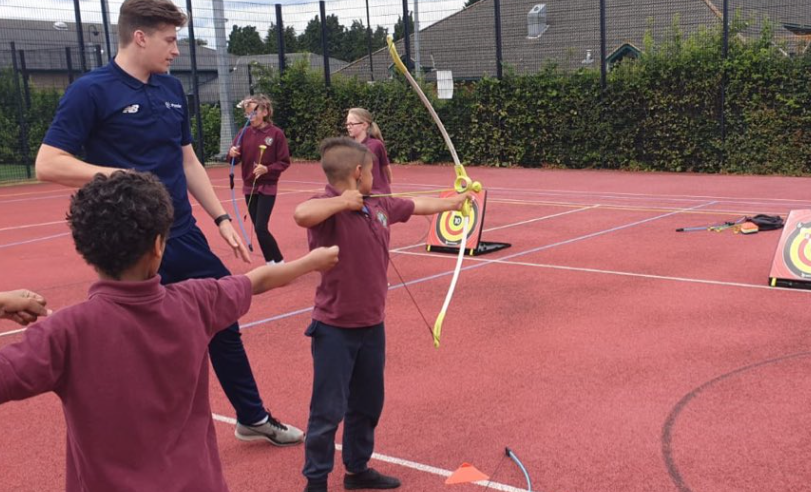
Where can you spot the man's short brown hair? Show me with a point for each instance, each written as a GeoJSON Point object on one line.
{"type": "Point", "coordinates": [148, 16]}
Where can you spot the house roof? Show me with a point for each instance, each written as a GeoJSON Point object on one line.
{"type": "Point", "coordinates": [44, 44]}
{"type": "Point", "coordinates": [464, 42]}
{"type": "Point", "coordinates": [33, 35]}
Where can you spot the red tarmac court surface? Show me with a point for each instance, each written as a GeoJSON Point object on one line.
{"type": "Point", "coordinates": [609, 352]}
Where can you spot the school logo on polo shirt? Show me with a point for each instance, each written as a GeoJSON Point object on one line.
{"type": "Point", "coordinates": [268, 141]}
{"type": "Point", "coordinates": [132, 109]}
{"type": "Point", "coordinates": [170, 105]}
{"type": "Point", "coordinates": [383, 219]}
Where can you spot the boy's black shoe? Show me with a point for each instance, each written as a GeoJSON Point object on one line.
{"type": "Point", "coordinates": [316, 486]}
{"type": "Point", "coordinates": [370, 479]}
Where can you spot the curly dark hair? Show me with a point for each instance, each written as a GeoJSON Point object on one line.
{"type": "Point", "coordinates": [115, 219]}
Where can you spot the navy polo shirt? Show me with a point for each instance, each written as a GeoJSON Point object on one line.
{"type": "Point", "coordinates": [112, 119]}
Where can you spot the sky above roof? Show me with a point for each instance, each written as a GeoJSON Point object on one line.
{"type": "Point", "coordinates": [258, 13]}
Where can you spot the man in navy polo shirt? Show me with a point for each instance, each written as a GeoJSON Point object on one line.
{"type": "Point", "coordinates": [130, 114]}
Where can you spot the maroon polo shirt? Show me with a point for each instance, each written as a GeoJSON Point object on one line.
{"type": "Point", "coordinates": [130, 365]}
{"type": "Point", "coordinates": [353, 293]}
{"type": "Point", "coordinates": [381, 182]}
{"type": "Point", "coordinates": [276, 157]}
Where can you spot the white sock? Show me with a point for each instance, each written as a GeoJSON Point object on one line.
{"type": "Point", "coordinates": [280, 262]}
{"type": "Point", "coordinates": [267, 417]}
{"type": "Point", "coordinates": [271, 262]}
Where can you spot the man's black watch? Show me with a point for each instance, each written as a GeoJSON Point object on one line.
{"type": "Point", "coordinates": [221, 218]}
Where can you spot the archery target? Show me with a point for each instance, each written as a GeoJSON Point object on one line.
{"type": "Point", "coordinates": [797, 250]}
{"type": "Point", "coordinates": [450, 226]}
{"type": "Point", "coordinates": [446, 227]}
{"type": "Point", "coordinates": [792, 260]}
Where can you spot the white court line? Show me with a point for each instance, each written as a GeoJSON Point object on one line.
{"type": "Point", "coordinates": [609, 194]}
{"type": "Point", "coordinates": [620, 273]}
{"type": "Point", "coordinates": [514, 224]}
{"type": "Point", "coordinates": [540, 218]}
{"type": "Point", "coordinates": [487, 262]}
{"type": "Point", "coordinates": [483, 262]}
{"type": "Point", "coordinates": [194, 204]}
{"type": "Point", "coordinates": [620, 195]}
{"type": "Point", "coordinates": [29, 226]}
{"type": "Point", "coordinates": [404, 463]}
{"type": "Point", "coordinates": [634, 207]}
{"type": "Point", "coordinates": [397, 250]}
{"type": "Point", "coordinates": [35, 240]}
{"type": "Point", "coordinates": [31, 199]}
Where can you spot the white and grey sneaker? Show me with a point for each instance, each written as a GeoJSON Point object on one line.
{"type": "Point", "coordinates": [274, 431]}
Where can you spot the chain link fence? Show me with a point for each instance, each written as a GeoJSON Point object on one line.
{"type": "Point", "coordinates": [226, 47]}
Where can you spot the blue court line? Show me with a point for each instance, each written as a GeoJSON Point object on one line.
{"type": "Point", "coordinates": [485, 263]}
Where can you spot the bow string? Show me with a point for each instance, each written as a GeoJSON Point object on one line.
{"type": "Point", "coordinates": [233, 193]}
{"type": "Point", "coordinates": [461, 184]}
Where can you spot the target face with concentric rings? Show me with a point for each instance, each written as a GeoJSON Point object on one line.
{"type": "Point", "coordinates": [450, 226]}
{"type": "Point", "coordinates": [797, 250]}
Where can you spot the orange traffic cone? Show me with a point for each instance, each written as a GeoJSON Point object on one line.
{"type": "Point", "coordinates": [466, 473]}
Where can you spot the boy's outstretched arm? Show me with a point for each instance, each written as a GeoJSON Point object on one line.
{"type": "Point", "coordinates": [317, 210]}
{"type": "Point", "coordinates": [22, 306]}
{"type": "Point", "coordinates": [271, 276]}
{"type": "Point", "coordinates": [431, 206]}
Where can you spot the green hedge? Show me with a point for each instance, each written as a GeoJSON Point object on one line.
{"type": "Point", "coordinates": [38, 117]}
{"type": "Point", "coordinates": [659, 112]}
{"type": "Point", "coordinates": [210, 116]}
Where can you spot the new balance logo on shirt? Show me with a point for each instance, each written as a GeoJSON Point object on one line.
{"type": "Point", "coordinates": [132, 109]}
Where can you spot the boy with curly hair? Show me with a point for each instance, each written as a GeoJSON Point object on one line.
{"type": "Point", "coordinates": [130, 363]}
{"type": "Point", "coordinates": [131, 114]}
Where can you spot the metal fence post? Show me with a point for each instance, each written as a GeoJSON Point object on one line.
{"type": "Point", "coordinates": [195, 86]}
{"type": "Point", "coordinates": [21, 114]}
{"type": "Point", "coordinates": [603, 67]}
{"type": "Point", "coordinates": [499, 59]}
{"type": "Point", "coordinates": [69, 63]}
{"type": "Point", "coordinates": [280, 35]}
{"type": "Point", "coordinates": [724, 55]}
{"type": "Point", "coordinates": [105, 21]}
{"type": "Point", "coordinates": [369, 42]}
{"type": "Point", "coordinates": [24, 72]}
{"type": "Point", "coordinates": [77, 11]}
{"type": "Point", "coordinates": [324, 43]}
{"type": "Point", "coordinates": [405, 36]}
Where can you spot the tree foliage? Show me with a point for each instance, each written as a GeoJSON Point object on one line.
{"type": "Point", "coordinates": [399, 28]}
{"type": "Point", "coordinates": [272, 40]}
{"type": "Point", "coordinates": [245, 41]}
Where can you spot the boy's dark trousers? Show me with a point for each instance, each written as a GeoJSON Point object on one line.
{"type": "Point", "coordinates": [348, 366]}
{"type": "Point", "coordinates": [189, 256]}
